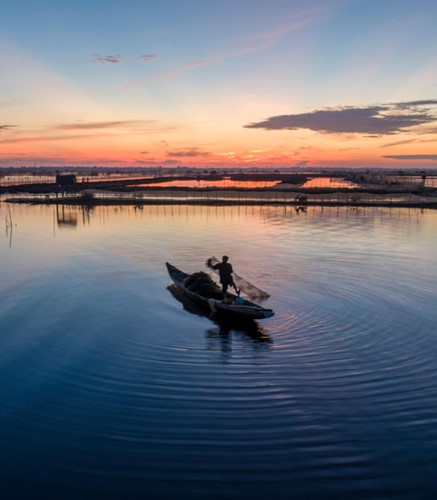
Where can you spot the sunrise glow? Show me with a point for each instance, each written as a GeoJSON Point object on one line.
{"type": "Point", "coordinates": [219, 84]}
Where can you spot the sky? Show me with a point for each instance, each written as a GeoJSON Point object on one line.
{"type": "Point", "coordinates": [218, 83]}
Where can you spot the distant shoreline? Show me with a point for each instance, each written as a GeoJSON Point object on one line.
{"type": "Point", "coordinates": [393, 189]}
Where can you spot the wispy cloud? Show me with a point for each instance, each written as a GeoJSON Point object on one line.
{"type": "Point", "coordinates": [6, 127]}
{"type": "Point", "coordinates": [187, 153]}
{"type": "Point", "coordinates": [50, 138]}
{"type": "Point", "coordinates": [97, 125]}
{"type": "Point", "coordinates": [115, 59]}
{"type": "Point", "coordinates": [37, 158]}
{"type": "Point", "coordinates": [247, 45]}
{"type": "Point", "coordinates": [92, 130]}
{"type": "Point", "coordinates": [269, 38]}
{"type": "Point", "coordinates": [101, 59]}
{"type": "Point", "coordinates": [122, 126]}
{"type": "Point", "coordinates": [412, 157]}
{"type": "Point", "coordinates": [398, 143]}
{"type": "Point", "coordinates": [145, 58]}
{"type": "Point", "coordinates": [374, 120]}
{"type": "Point", "coordinates": [409, 141]}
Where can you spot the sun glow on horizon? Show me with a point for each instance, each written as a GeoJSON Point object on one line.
{"type": "Point", "coordinates": [313, 87]}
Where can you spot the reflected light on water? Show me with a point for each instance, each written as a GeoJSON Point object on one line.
{"type": "Point", "coordinates": [329, 182]}
{"type": "Point", "coordinates": [111, 386]}
{"type": "Point", "coordinates": [224, 183]}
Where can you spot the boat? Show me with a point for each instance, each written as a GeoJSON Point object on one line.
{"type": "Point", "coordinates": [230, 305]}
{"type": "Point", "coordinates": [224, 324]}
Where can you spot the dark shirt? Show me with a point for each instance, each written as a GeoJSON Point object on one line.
{"type": "Point", "coordinates": [225, 271]}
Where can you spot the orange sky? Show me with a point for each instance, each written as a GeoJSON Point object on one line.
{"type": "Point", "coordinates": [249, 84]}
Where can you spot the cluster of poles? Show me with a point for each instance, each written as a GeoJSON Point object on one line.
{"type": "Point", "coordinates": [241, 196]}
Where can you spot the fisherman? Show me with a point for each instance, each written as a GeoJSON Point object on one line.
{"type": "Point", "coordinates": [225, 271]}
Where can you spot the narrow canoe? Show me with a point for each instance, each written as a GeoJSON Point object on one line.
{"type": "Point", "coordinates": [231, 305]}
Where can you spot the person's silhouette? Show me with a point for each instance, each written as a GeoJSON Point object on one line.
{"type": "Point", "coordinates": [225, 272]}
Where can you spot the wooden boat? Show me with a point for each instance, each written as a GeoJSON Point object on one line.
{"type": "Point", "coordinates": [231, 305]}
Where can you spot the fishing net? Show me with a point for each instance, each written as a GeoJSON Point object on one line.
{"type": "Point", "coordinates": [202, 284]}
{"type": "Point", "coordinates": [244, 285]}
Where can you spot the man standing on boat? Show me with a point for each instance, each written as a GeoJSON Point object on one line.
{"type": "Point", "coordinates": [225, 272]}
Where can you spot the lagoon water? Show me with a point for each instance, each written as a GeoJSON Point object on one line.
{"type": "Point", "coordinates": [111, 388]}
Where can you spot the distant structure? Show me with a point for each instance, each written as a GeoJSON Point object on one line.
{"type": "Point", "coordinates": [66, 180]}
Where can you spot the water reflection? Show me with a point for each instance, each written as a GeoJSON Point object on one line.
{"type": "Point", "coordinates": [110, 389]}
{"type": "Point", "coordinates": [70, 215]}
{"type": "Point", "coordinates": [9, 227]}
{"type": "Point", "coordinates": [329, 182]}
{"type": "Point", "coordinates": [223, 332]}
{"type": "Point", "coordinates": [66, 216]}
{"type": "Point", "coordinates": [74, 216]}
{"type": "Point", "coordinates": [223, 183]}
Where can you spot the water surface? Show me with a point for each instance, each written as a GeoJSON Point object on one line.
{"type": "Point", "coordinates": [222, 183]}
{"type": "Point", "coordinates": [112, 388]}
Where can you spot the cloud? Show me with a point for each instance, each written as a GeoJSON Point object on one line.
{"type": "Point", "coordinates": [42, 138]}
{"type": "Point", "coordinates": [96, 125]}
{"type": "Point", "coordinates": [6, 127]}
{"type": "Point", "coordinates": [145, 58]}
{"type": "Point", "coordinates": [267, 39]}
{"type": "Point", "coordinates": [102, 59]}
{"type": "Point", "coordinates": [412, 157]}
{"type": "Point", "coordinates": [187, 153]}
{"type": "Point", "coordinates": [398, 143]}
{"type": "Point", "coordinates": [94, 130]}
{"type": "Point", "coordinates": [137, 126]}
{"type": "Point", "coordinates": [251, 44]}
{"type": "Point", "coordinates": [99, 59]}
{"type": "Point", "coordinates": [409, 141]}
{"type": "Point", "coordinates": [31, 158]}
{"type": "Point", "coordinates": [412, 104]}
{"type": "Point", "coordinates": [384, 119]}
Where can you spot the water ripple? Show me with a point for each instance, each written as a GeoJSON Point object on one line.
{"type": "Point", "coordinates": [114, 386]}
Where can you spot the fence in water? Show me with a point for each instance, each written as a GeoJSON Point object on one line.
{"type": "Point", "coordinates": [233, 196]}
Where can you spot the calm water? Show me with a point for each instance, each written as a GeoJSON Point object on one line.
{"type": "Point", "coordinates": [110, 388]}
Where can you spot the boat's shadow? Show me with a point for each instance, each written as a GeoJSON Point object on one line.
{"type": "Point", "coordinates": [225, 325]}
